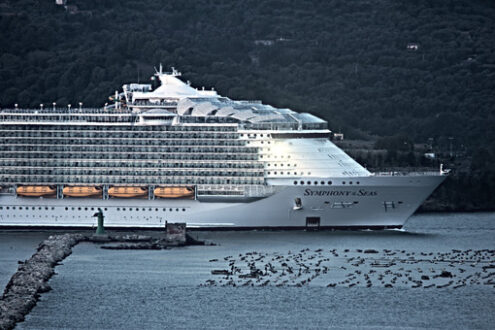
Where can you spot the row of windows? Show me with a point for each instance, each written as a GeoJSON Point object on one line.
{"type": "Point", "coordinates": [133, 149]}
{"type": "Point", "coordinates": [131, 135]}
{"type": "Point", "coordinates": [157, 209]}
{"type": "Point", "coordinates": [25, 179]}
{"type": "Point", "coordinates": [124, 165]}
{"type": "Point", "coordinates": [123, 128]}
{"type": "Point", "coordinates": [123, 172]}
{"type": "Point", "coordinates": [322, 182]}
{"type": "Point", "coordinates": [122, 143]}
{"type": "Point", "coordinates": [281, 165]}
{"type": "Point", "coordinates": [62, 155]}
{"type": "Point", "coordinates": [253, 135]}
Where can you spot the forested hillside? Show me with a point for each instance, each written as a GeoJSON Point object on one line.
{"type": "Point", "coordinates": [386, 70]}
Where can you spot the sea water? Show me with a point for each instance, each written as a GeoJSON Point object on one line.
{"type": "Point", "coordinates": [115, 289]}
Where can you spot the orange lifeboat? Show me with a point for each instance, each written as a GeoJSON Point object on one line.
{"type": "Point", "coordinates": [82, 191]}
{"type": "Point", "coordinates": [174, 192]}
{"type": "Point", "coordinates": [36, 191]}
{"type": "Point", "coordinates": [127, 192]}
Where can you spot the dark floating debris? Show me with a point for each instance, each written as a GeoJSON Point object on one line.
{"type": "Point", "coordinates": [359, 268]}
{"type": "Point", "coordinates": [220, 272]}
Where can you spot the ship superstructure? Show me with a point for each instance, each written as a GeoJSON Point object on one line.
{"type": "Point", "coordinates": [177, 153]}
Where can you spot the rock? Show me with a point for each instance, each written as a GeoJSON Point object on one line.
{"type": "Point", "coordinates": [221, 272]}
{"type": "Point", "coordinates": [370, 251]}
{"type": "Point", "coordinates": [425, 277]}
{"type": "Point", "coordinates": [446, 274]}
{"type": "Point", "coordinates": [24, 288]}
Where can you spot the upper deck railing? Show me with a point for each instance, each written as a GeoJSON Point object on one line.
{"type": "Point", "coordinates": [415, 173]}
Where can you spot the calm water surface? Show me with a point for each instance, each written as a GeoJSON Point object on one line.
{"type": "Point", "coordinates": [108, 289]}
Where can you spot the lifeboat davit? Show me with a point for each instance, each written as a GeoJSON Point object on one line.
{"type": "Point", "coordinates": [82, 191]}
{"type": "Point", "coordinates": [174, 192]}
{"type": "Point", "coordinates": [127, 192]}
{"type": "Point", "coordinates": [36, 191]}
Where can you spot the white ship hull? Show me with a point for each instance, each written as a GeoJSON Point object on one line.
{"type": "Point", "coordinates": [377, 202]}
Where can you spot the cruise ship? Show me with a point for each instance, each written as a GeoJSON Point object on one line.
{"type": "Point", "coordinates": [167, 152]}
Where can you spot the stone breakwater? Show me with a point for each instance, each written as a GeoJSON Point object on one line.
{"type": "Point", "coordinates": [24, 288]}
{"type": "Point", "coordinates": [31, 279]}
{"type": "Point", "coordinates": [357, 268]}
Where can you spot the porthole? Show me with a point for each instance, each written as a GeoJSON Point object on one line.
{"type": "Point", "coordinates": [85, 209]}
{"type": "Point", "coordinates": [118, 208]}
{"type": "Point", "coordinates": [66, 208]}
{"type": "Point", "coordinates": [350, 182]}
{"type": "Point", "coordinates": [46, 208]}
{"type": "Point", "coordinates": [123, 209]}
{"type": "Point", "coordinates": [170, 210]}
{"type": "Point", "coordinates": [73, 208]}
{"type": "Point", "coordinates": [309, 182]}
{"type": "Point", "coordinates": [183, 210]}
{"type": "Point", "coordinates": [156, 209]}
{"type": "Point", "coordinates": [295, 182]}
{"type": "Point", "coordinates": [105, 209]}
{"type": "Point", "coordinates": [176, 210]}
{"type": "Point", "coordinates": [302, 182]}
{"type": "Point", "coordinates": [92, 209]}
{"type": "Point", "coordinates": [33, 208]}
{"type": "Point", "coordinates": [322, 182]}
{"type": "Point", "coordinates": [357, 182]}
{"type": "Point", "coordinates": [316, 182]}
{"type": "Point", "coordinates": [130, 209]}
{"type": "Point", "coordinates": [8, 207]}
{"type": "Point", "coordinates": [79, 209]}
{"type": "Point", "coordinates": [150, 209]}
{"type": "Point", "coordinates": [1, 207]}
{"type": "Point", "coordinates": [20, 207]}
{"type": "Point", "coordinates": [343, 182]}
{"type": "Point", "coordinates": [329, 182]}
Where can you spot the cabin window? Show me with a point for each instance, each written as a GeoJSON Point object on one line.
{"type": "Point", "coordinates": [295, 182]}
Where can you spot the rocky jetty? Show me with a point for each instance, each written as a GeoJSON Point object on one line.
{"type": "Point", "coordinates": [31, 279]}
{"type": "Point", "coordinates": [24, 288]}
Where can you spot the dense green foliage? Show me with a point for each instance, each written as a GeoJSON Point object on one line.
{"type": "Point", "coordinates": [347, 61]}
